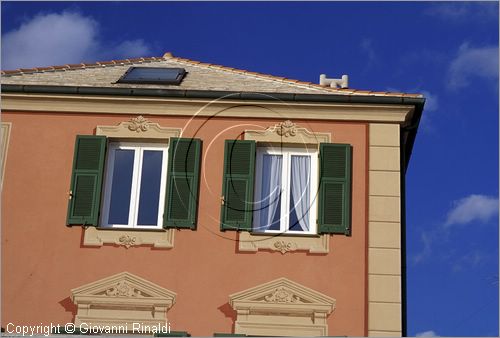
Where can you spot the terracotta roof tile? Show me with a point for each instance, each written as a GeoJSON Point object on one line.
{"type": "Point", "coordinates": [136, 60]}
{"type": "Point", "coordinates": [41, 69]}
{"type": "Point", "coordinates": [76, 66]}
{"type": "Point", "coordinates": [393, 94]}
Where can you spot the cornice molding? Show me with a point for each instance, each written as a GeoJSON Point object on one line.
{"type": "Point", "coordinates": [334, 111]}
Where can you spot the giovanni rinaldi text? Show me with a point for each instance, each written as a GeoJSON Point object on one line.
{"type": "Point", "coordinates": [86, 328]}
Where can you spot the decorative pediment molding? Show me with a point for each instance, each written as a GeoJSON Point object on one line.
{"type": "Point", "coordinates": [282, 291]}
{"type": "Point", "coordinates": [287, 132]}
{"type": "Point", "coordinates": [282, 295]}
{"type": "Point", "coordinates": [123, 284]}
{"type": "Point", "coordinates": [138, 127]}
{"type": "Point", "coordinates": [122, 299]}
{"type": "Point", "coordinates": [123, 289]}
{"type": "Point", "coordinates": [269, 309]}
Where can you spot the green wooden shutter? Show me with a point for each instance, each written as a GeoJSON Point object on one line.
{"type": "Point", "coordinates": [181, 202]}
{"type": "Point", "coordinates": [335, 189]}
{"type": "Point", "coordinates": [86, 180]}
{"type": "Point", "coordinates": [237, 185]}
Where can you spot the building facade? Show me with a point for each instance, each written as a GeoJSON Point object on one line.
{"type": "Point", "coordinates": [164, 191]}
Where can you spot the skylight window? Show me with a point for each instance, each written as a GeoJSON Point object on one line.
{"type": "Point", "coordinates": [153, 75]}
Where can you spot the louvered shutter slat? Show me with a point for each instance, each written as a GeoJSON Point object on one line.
{"type": "Point", "coordinates": [335, 189]}
{"type": "Point", "coordinates": [86, 180]}
{"type": "Point", "coordinates": [181, 202]}
{"type": "Point", "coordinates": [238, 181]}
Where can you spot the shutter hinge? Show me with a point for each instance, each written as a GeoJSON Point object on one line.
{"type": "Point", "coordinates": [70, 194]}
{"type": "Point", "coordinates": [222, 200]}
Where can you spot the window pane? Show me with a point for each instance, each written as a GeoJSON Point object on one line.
{"type": "Point", "coordinates": [153, 75]}
{"type": "Point", "coordinates": [269, 205]}
{"type": "Point", "coordinates": [300, 193]}
{"type": "Point", "coordinates": [150, 187]}
{"type": "Point", "coordinates": [121, 186]}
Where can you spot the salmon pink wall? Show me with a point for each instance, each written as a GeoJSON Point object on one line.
{"type": "Point", "coordinates": [42, 259]}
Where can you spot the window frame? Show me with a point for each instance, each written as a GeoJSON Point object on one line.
{"type": "Point", "coordinates": [139, 148]}
{"type": "Point", "coordinates": [287, 153]}
{"type": "Point", "coordinates": [181, 73]}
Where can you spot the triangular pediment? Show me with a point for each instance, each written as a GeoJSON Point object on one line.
{"type": "Point", "coordinates": [282, 291]}
{"type": "Point", "coordinates": [123, 285]}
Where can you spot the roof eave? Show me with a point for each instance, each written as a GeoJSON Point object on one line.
{"type": "Point", "coordinates": [408, 133]}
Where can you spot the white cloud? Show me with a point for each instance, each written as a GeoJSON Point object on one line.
{"type": "Point", "coordinates": [472, 64]}
{"type": "Point", "coordinates": [55, 39]}
{"type": "Point", "coordinates": [478, 208]}
{"type": "Point", "coordinates": [471, 259]}
{"type": "Point", "coordinates": [427, 239]}
{"type": "Point", "coordinates": [132, 47]}
{"type": "Point", "coordinates": [367, 46]}
{"type": "Point", "coordinates": [427, 334]}
{"type": "Point", "coordinates": [472, 208]}
{"type": "Point", "coordinates": [460, 11]}
{"type": "Point", "coordinates": [49, 39]}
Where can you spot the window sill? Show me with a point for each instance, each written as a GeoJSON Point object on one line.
{"type": "Point", "coordinates": [161, 239]}
{"type": "Point", "coordinates": [285, 234]}
{"type": "Point", "coordinates": [283, 242]}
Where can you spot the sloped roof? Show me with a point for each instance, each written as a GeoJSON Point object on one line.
{"type": "Point", "coordinates": [200, 76]}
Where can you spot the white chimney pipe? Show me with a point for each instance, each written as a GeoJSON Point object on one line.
{"type": "Point", "coordinates": [334, 83]}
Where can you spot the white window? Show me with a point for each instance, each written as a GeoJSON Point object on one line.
{"type": "Point", "coordinates": [134, 186]}
{"type": "Point", "coordinates": [285, 190]}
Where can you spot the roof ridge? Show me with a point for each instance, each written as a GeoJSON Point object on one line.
{"type": "Point", "coordinates": [281, 79]}
{"type": "Point", "coordinates": [256, 74]}
{"type": "Point", "coordinates": [168, 55]}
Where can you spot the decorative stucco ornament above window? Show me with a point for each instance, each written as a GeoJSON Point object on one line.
{"type": "Point", "coordinates": [139, 124]}
{"type": "Point", "coordinates": [138, 127]}
{"type": "Point", "coordinates": [122, 299]}
{"type": "Point", "coordinates": [281, 308]}
{"type": "Point", "coordinates": [287, 132]}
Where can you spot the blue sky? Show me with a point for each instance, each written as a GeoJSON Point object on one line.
{"type": "Point", "coordinates": [447, 51]}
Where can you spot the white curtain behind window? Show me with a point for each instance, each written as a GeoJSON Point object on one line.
{"type": "Point", "coordinates": [301, 168]}
{"type": "Point", "coordinates": [270, 192]}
